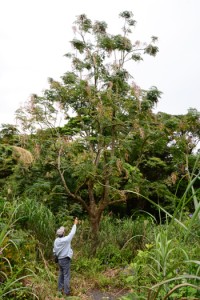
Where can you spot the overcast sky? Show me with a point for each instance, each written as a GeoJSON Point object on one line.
{"type": "Point", "coordinates": [35, 34]}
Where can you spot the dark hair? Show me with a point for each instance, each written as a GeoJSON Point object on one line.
{"type": "Point", "coordinates": [60, 235]}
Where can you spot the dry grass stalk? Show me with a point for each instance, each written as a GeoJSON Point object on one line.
{"type": "Point", "coordinates": [22, 155]}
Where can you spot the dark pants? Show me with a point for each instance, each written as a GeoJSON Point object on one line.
{"type": "Point", "coordinates": [64, 275]}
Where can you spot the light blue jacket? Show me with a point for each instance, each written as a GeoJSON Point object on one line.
{"type": "Point", "coordinates": [62, 245]}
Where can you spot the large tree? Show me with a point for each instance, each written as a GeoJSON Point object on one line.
{"type": "Point", "coordinates": [105, 113]}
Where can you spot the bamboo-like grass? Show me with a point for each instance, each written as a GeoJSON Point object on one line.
{"type": "Point", "coordinates": [163, 246]}
{"type": "Point", "coordinates": [10, 282]}
{"type": "Point", "coordinates": [38, 220]}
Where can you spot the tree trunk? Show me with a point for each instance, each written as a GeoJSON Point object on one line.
{"type": "Point", "coordinates": [95, 218]}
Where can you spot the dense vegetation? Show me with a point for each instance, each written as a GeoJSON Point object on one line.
{"type": "Point", "coordinates": [91, 146]}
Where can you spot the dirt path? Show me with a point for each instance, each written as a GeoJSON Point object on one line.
{"type": "Point", "coordinates": [98, 295]}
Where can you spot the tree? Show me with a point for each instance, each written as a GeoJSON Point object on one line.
{"type": "Point", "coordinates": [103, 109]}
{"type": "Point", "coordinates": [184, 136]}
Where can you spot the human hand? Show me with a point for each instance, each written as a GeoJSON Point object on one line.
{"type": "Point", "coordinates": [76, 221]}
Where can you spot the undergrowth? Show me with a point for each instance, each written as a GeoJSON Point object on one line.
{"type": "Point", "coordinates": [136, 258]}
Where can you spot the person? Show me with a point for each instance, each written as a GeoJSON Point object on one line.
{"type": "Point", "coordinates": [62, 248]}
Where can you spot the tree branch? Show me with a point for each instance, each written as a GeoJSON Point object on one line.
{"type": "Point", "coordinates": [75, 197]}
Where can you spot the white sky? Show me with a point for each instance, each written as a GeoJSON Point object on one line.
{"type": "Point", "coordinates": [35, 34]}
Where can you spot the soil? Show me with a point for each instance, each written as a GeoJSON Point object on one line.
{"type": "Point", "coordinates": [98, 295]}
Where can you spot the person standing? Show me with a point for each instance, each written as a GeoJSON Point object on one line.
{"type": "Point", "coordinates": [62, 248]}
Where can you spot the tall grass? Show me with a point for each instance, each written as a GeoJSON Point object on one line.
{"type": "Point", "coordinates": [168, 261]}
{"type": "Point", "coordinates": [11, 280]}
{"type": "Point", "coordinates": [39, 221]}
{"type": "Point", "coordinates": [119, 239]}
{"type": "Point", "coordinates": [164, 268]}
{"type": "Point", "coordinates": [189, 195]}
